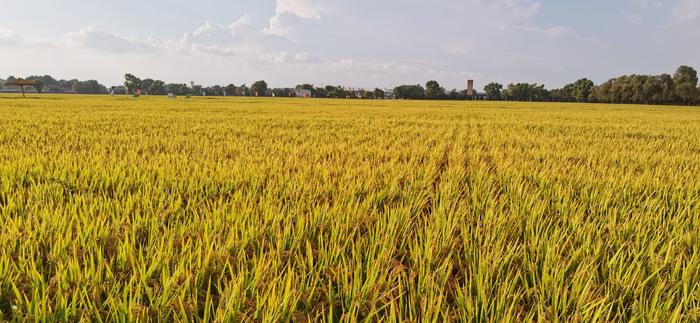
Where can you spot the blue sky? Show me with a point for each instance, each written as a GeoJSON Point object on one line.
{"type": "Point", "coordinates": [359, 43]}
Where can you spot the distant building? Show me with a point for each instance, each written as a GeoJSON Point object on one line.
{"type": "Point", "coordinates": [473, 94]}
{"type": "Point", "coordinates": [389, 94]}
{"type": "Point", "coordinates": [304, 94]}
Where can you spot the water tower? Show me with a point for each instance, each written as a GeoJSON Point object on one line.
{"type": "Point", "coordinates": [470, 88]}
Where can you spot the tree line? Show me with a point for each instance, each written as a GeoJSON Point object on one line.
{"type": "Point", "coordinates": [48, 84]}
{"type": "Point", "coordinates": [148, 86]}
{"type": "Point", "coordinates": [679, 88]}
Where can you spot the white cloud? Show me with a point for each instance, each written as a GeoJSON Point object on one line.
{"type": "Point", "coordinates": [276, 28]}
{"type": "Point", "coordinates": [306, 9]}
{"type": "Point", "coordinates": [207, 29]}
{"type": "Point", "coordinates": [303, 9]}
{"type": "Point", "coordinates": [109, 42]}
{"type": "Point", "coordinates": [241, 23]}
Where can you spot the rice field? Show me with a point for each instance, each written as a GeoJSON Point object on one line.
{"type": "Point", "coordinates": [269, 210]}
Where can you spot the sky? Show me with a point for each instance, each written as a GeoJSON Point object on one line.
{"type": "Point", "coordinates": [355, 43]}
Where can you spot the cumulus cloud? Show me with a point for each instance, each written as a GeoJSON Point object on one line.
{"type": "Point", "coordinates": [276, 28]}
{"type": "Point", "coordinates": [108, 42]}
{"type": "Point", "coordinates": [241, 23]}
{"type": "Point", "coordinates": [209, 28]}
{"type": "Point", "coordinates": [307, 9]}
{"type": "Point", "coordinates": [303, 9]}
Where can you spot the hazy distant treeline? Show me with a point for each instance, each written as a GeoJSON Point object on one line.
{"type": "Point", "coordinates": [48, 84]}
{"type": "Point", "coordinates": [679, 88]}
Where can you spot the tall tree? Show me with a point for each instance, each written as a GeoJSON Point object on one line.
{"type": "Point", "coordinates": [243, 90]}
{"type": "Point", "coordinates": [198, 90]}
{"type": "Point", "coordinates": [526, 92]}
{"type": "Point", "coordinates": [686, 81]}
{"type": "Point", "coordinates": [412, 92]}
{"type": "Point", "coordinates": [259, 88]}
{"type": "Point", "coordinates": [493, 90]}
{"type": "Point", "coordinates": [320, 92]}
{"type": "Point", "coordinates": [582, 90]}
{"type": "Point", "coordinates": [433, 90]}
{"type": "Point", "coordinates": [146, 85]}
{"type": "Point", "coordinates": [157, 87]}
{"type": "Point", "coordinates": [378, 93]}
{"type": "Point", "coordinates": [132, 83]}
{"type": "Point", "coordinates": [230, 90]}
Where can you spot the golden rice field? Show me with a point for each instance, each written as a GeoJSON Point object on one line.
{"type": "Point", "coordinates": [269, 210]}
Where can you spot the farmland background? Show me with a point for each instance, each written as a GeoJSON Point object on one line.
{"type": "Point", "coordinates": [271, 210]}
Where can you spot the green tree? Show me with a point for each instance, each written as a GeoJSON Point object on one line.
{"type": "Point", "coordinates": [230, 90]}
{"type": "Point", "coordinates": [565, 94]}
{"type": "Point", "coordinates": [685, 82]}
{"type": "Point", "coordinates": [433, 90]}
{"type": "Point", "coordinates": [157, 87]}
{"type": "Point", "coordinates": [88, 87]}
{"type": "Point", "coordinates": [378, 93]}
{"type": "Point", "coordinates": [243, 90]}
{"type": "Point", "coordinates": [146, 86]}
{"type": "Point", "coordinates": [493, 90]}
{"type": "Point", "coordinates": [259, 88]}
{"type": "Point", "coordinates": [320, 92]}
{"type": "Point", "coordinates": [132, 83]}
{"type": "Point", "coordinates": [178, 89]}
{"type": "Point", "coordinates": [410, 92]}
{"type": "Point", "coordinates": [198, 90]}
{"type": "Point", "coordinates": [283, 92]}
{"type": "Point", "coordinates": [582, 89]}
{"type": "Point", "coordinates": [46, 83]}
{"type": "Point", "coordinates": [337, 92]}
{"type": "Point", "coordinates": [306, 86]}
{"type": "Point", "coordinates": [215, 90]}
{"type": "Point", "coordinates": [526, 92]}
{"type": "Point", "coordinates": [39, 86]}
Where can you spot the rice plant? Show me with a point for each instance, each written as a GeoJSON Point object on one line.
{"type": "Point", "coordinates": [116, 209]}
